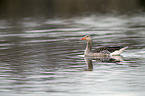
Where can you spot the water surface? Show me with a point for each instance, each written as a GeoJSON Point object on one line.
{"type": "Point", "coordinates": [46, 58]}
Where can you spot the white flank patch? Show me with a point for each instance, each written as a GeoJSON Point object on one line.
{"type": "Point", "coordinates": [118, 52]}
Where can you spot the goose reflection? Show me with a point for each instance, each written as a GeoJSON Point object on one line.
{"type": "Point", "coordinates": [109, 59]}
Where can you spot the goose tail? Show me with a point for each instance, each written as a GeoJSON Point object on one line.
{"type": "Point", "coordinates": [118, 52]}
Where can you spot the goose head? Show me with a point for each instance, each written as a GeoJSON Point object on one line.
{"type": "Point", "coordinates": [87, 38]}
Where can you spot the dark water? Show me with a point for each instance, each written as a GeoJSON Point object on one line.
{"type": "Point", "coordinates": [46, 58]}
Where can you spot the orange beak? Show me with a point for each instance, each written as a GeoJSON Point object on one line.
{"type": "Point", "coordinates": [83, 38]}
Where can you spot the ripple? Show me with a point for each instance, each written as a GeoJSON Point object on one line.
{"type": "Point", "coordinates": [48, 58]}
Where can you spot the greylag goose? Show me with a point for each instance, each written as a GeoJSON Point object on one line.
{"type": "Point", "coordinates": [102, 51]}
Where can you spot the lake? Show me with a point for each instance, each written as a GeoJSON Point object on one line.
{"type": "Point", "coordinates": [47, 58]}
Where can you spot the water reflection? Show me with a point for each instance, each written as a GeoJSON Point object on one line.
{"type": "Point", "coordinates": [47, 58]}
{"type": "Point", "coordinates": [108, 59]}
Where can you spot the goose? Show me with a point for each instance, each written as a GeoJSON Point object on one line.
{"type": "Point", "coordinates": [102, 51]}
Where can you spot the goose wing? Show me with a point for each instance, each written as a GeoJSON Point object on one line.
{"type": "Point", "coordinates": [108, 49]}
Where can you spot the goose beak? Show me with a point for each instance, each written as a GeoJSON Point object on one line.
{"type": "Point", "coordinates": [83, 38]}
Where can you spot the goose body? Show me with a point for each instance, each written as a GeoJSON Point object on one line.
{"type": "Point", "coordinates": [102, 51]}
